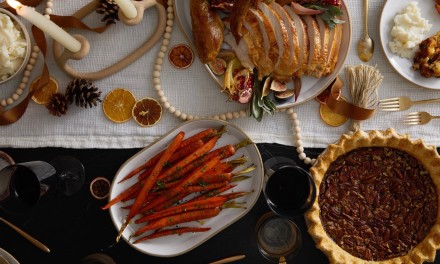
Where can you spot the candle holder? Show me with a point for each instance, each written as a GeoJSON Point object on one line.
{"type": "Point", "coordinates": [62, 56]}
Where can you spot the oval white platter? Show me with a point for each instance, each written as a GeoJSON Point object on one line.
{"type": "Point", "coordinates": [176, 245]}
{"type": "Point", "coordinates": [402, 65]}
{"type": "Point", "coordinates": [8, 257]}
{"type": "Point", "coordinates": [311, 87]}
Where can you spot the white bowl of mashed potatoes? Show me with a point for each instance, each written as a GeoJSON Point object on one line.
{"type": "Point", "coordinates": [15, 46]}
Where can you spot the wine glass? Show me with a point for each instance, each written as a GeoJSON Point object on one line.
{"type": "Point", "coordinates": [22, 184]}
{"type": "Point", "coordinates": [289, 192]}
{"type": "Point", "coordinates": [70, 174]}
{"type": "Point", "coordinates": [288, 189]}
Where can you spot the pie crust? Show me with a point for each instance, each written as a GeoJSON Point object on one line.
{"type": "Point", "coordinates": [426, 155]}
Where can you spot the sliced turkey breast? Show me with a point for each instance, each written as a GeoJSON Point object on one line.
{"type": "Point", "coordinates": [243, 48]}
{"type": "Point", "coordinates": [325, 35]}
{"type": "Point", "coordinates": [292, 35]}
{"type": "Point", "coordinates": [283, 69]}
{"type": "Point", "coordinates": [270, 42]}
{"type": "Point", "coordinates": [261, 58]}
{"type": "Point", "coordinates": [334, 51]}
{"type": "Point", "coordinates": [314, 44]}
{"type": "Point", "coordinates": [303, 40]}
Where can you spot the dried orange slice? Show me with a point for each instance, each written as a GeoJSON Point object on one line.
{"type": "Point", "coordinates": [331, 118]}
{"type": "Point", "coordinates": [181, 56]}
{"type": "Point", "coordinates": [42, 96]}
{"type": "Point", "coordinates": [118, 105]}
{"type": "Point", "coordinates": [147, 112]}
{"type": "Point", "coordinates": [100, 188]}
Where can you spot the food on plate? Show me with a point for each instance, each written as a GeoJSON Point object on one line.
{"type": "Point", "coordinates": [239, 81]}
{"type": "Point", "coordinates": [147, 112]}
{"type": "Point", "coordinates": [427, 58]}
{"type": "Point", "coordinates": [408, 31]}
{"type": "Point", "coordinates": [118, 105]}
{"type": "Point", "coordinates": [378, 195]}
{"type": "Point", "coordinates": [181, 56]}
{"type": "Point", "coordinates": [283, 95]}
{"type": "Point", "coordinates": [13, 47]}
{"type": "Point", "coordinates": [199, 174]}
{"type": "Point", "coordinates": [44, 93]}
{"type": "Point", "coordinates": [207, 28]}
{"type": "Point", "coordinates": [218, 66]}
{"type": "Point", "coordinates": [271, 37]}
{"type": "Point", "coordinates": [437, 6]}
{"type": "Point", "coordinates": [283, 41]}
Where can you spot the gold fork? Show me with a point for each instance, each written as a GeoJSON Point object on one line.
{"type": "Point", "coordinates": [418, 118]}
{"type": "Point", "coordinates": [401, 103]}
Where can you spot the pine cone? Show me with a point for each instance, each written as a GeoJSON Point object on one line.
{"type": "Point", "coordinates": [110, 10]}
{"type": "Point", "coordinates": [83, 92]}
{"type": "Point", "coordinates": [57, 104]}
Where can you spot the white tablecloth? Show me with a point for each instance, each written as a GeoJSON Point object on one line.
{"type": "Point", "coordinates": [192, 91]}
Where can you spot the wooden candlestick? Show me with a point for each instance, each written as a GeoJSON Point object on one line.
{"type": "Point", "coordinates": [62, 56]}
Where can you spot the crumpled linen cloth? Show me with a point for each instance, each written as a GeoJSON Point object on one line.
{"type": "Point", "coordinates": [191, 91]}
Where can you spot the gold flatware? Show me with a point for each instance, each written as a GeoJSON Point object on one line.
{"type": "Point", "coordinates": [25, 235]}
{"type": "Point", "coordinates": [418, 118]}
{"type": "Point", "coordinates": [402, 103]}
{"type": "Point", "coordinates": [229, 259]}
{"type": "Point", "coordinates": [365, 44]}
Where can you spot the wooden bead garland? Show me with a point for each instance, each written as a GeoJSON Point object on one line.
{"type": "Point", "coordinates": [29, 67]}
{"type": "Point", "coordinates": [225, 116]}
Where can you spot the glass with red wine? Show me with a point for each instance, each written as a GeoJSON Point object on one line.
{"type": "Point", "coordinates": [289, 192]}
{"type": "Point", "coordinates": [22, 184]}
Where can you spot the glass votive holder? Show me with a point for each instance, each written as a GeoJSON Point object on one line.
{"type": "Point", "coordinates": [277, 237]}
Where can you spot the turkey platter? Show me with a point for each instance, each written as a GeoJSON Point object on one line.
{"type": "Point", "coordinates": [275, 40]}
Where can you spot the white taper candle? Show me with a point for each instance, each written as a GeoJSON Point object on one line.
{"type": "Point", "coordinates": [127, 8]}
{"type": "Point", "coordinates": [46, 25]}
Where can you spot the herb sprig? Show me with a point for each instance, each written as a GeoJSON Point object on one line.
{"type": "Point", "coordinates": [330, 14]}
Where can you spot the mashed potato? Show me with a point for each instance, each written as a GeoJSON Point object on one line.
{"type": "Point", "coordinates": [408, 31]}
{"type": "Point", "coordinates": [12, 47]}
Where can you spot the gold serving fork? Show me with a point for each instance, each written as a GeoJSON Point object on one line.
{"type": "Point", "coordinates": [401, 103]}
{"type": "Point", "coordinates": [418, 118]}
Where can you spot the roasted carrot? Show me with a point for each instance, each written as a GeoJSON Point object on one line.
{"type": "Point", "coordinates": [207, 187]}
{"type": "Point", "coordinates": [189, 159]}
{"type": "Point", "coordinates": [152, 180]}
{"type": "Point", "coordinates": [184, 183]}
{"type": "Point", "coordinates": [226, 166]}
{"type": "Point", "coordinates": [203, 135]}
{"type": "Point", "coordinates": [180, 154]}
{"type": "Point", "coordinates": [173, 231]}
{"type": "Point", "coordinates": [178, 218]}
{"type": "Point", "coordinates": [149, 210]}
{"type": "Point", "coordinates": [214, 192]}
{"type": "Point", "coordinates": [185, 207]}
{"type": "Point", "coordinates": [123, 195]}
{"type": "Point", "coordinates": [224, 152]}
{"type": "Point", "coordinates": [225, 176]}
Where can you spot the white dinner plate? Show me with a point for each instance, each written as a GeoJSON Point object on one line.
{"type": "Point", "coordinates": [8, 257]}
{"type": "Point", "coordinates": [176, 245]}
{"type": "Point", "coordinates": [402, 65]}
{"type": "Point", "coordinates": [311, 87]}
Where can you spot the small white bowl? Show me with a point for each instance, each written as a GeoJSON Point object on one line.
{"type": "Point", "coordinates": [28, 44]}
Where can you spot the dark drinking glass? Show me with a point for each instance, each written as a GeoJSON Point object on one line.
{"type": "Point", "coordinates": [21, 185]}
{"type": "Point", "coordinates": [289, 190]}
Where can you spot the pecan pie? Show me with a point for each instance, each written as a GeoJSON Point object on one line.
{"type": "Point", "coordinates": [378, 199]}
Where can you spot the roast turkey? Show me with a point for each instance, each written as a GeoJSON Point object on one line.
{"type": "Point", "coordinates": [282, 44]}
